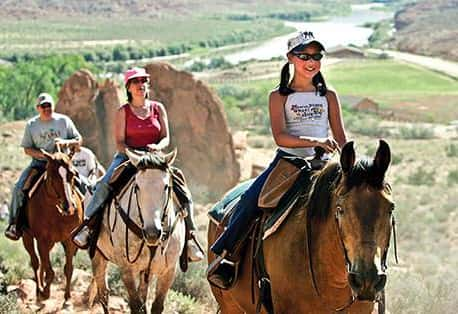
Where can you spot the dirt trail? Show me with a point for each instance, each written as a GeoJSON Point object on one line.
{"type": "Point", "coordinates": [78, 303]}
{"type": "Point", "coordinates": [448, 68]}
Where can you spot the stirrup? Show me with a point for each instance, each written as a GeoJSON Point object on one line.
{"type": "Point", "coordinates": [13, 233]}
{"type": "Point", "coordinates": [82, 237]}
{"type": "Point", "coordinates": [195, 251]}
{"type": "Point", "coordinates": [222, 272]}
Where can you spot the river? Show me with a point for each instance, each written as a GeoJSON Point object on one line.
{"type": "Point", "coordinates": [341, 30]}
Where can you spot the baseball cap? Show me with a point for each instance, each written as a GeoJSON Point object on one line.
{"type": "Point", "coordinates": [301, 40]}
{"type": "Point", "coordinates": [133, 73]}
{"type": "Point", "coordinates": [44, 98]}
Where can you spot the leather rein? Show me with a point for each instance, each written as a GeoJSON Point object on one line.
{"type": "Point", "coordinates": [133, 227]}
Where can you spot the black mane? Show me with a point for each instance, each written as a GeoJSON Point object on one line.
{"type": "Point", "coordinates": [325, 182]}
{"type": "Point", "coordinates": [152, 161]}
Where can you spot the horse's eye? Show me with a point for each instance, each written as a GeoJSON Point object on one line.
{"type": "Point", "coordinates": [392, 207]}
{"type": "Point", "coordinates": [340, 210]}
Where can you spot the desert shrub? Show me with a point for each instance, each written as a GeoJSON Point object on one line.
{"type": "Point", "coordinates": [365, 125]}
{"type": "Point", "coordinates": [8, 304]}
{"type": "Point", "coordinates": [421, 177]}
{"type": "Point", "coordinates": [193, 283]}
{"type": "Point", "coordinates": [452, 150]}
{"type": "Point", "coordinates": [416, 133]}
{"type": "Point", "coordinates": [179, 303]}
{"type": "Point", "coordinates": [452, 177]}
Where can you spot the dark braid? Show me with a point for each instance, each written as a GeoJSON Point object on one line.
{"type": "Point", "coordinates": [320, 84]}
{"type": "Point", "coordinates": [284, 88]}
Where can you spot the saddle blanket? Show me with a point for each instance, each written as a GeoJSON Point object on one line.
{"type": "Point", "coordinates": [276, 218]}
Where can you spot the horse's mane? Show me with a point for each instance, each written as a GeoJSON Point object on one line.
{"type": "Point", "coordinates": [325, 182]}
{"type": "Point", "coordinates": [153, 161]}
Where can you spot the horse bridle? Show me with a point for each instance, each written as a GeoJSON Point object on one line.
{"type": "Point", "coordinates": [383, 265]}
{"type": "Point", "coordinates": [137, 230]}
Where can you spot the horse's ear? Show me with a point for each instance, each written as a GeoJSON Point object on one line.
{"type": "Point", "coordinates": [347, 157]}
{"type": "Point", "coordinates": [170, 157]}
{"type": "Point", "coordinates": [134, 158]}
{"type": "Point", "coordinates": [47, 155]}
{"type": "Point", "coordinates": [382, 157]}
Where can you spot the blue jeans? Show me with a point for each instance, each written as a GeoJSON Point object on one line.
{"type": "Point", "coordinates": [118, 159]}
{"type": "Point", "coordinates": [18, 197]}
{"type": "Point", "coordinates": [246, 211]}
{"type": "Point", "coordinates": [102, 188]}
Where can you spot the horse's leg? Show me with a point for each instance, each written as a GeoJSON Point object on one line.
{"type": "Point", "coordinates": [164, 283]}
{"type": "Point", "coordinates": [135, 302]}
{"type": "Point", "coordinates": [30, 247]}
{"type": "Point", "coordinates": [99, 268]}
{"type": "Point", "coordinates": [70, 251]}
{"type": "Point", "coordinates": [45, 267]}
{"type": "Point", "coordinates": [143, 285]}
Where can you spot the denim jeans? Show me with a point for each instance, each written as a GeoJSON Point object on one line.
{"type": "Point", "coordinates": [246, 211]}
{"type": "Point", "coordinates": [18, 197]}
{"type": "Point", "coordinates": [118, 159]}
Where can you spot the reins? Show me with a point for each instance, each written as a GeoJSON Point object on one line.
{"type": "Point", "coordinates": [137, 230]}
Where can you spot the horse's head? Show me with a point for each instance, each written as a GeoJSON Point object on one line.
{"type": "Point", "coordinates": [362, 205]}
{"type": "Point", "coordinates": [154, 191]}
{"type": "Point", "coordinates": [60, 175]}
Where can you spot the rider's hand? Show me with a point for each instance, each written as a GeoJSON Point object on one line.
{"type": "Point", "coordinates": [328, 144]}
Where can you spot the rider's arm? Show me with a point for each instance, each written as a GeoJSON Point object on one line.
{"type": "Point", "coordinates": [34, 153]}
{"type": "Point", "coordinates": [120, 133]}
{"type": "Point", "coordinates": [279, 132]}
{"type": "Point", "coordinates": [165, 134]}
{"type": "Point", "coordinates": [335, 118]}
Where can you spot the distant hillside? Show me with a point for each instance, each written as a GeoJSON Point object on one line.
{"type": "Point", "coordinates": [428, 28]}
{"type": "Point", "coordinates": [143, 8]}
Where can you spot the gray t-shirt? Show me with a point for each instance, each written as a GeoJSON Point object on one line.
{"type": "Point", "coordinates": [40, 134]}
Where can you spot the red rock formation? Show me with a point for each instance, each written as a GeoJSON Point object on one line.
{"type": "Point", "coordinates": [197, 121]}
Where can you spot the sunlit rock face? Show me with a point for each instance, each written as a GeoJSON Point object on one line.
{"type": "Point", "coordinates": [197, 120]}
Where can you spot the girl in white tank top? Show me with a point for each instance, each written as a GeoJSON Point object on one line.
{"type": "Point", "coordinates": [301, 113]}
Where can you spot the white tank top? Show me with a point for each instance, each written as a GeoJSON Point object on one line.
{"type": "Point", "coordinates": [306, 114]}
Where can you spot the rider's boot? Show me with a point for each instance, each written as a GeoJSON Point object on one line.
{"type": "Point", "coordinates": [12, 232]}
{"type": "Point", "coordinates": [195, 251]}
{"type": "Point", "coordinates": [98, 201]}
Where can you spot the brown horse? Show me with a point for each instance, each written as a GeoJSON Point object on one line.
{"type": "Point", "coordinates": [52, 212]}
{"type": "Point", "coordinates": [329, 255]}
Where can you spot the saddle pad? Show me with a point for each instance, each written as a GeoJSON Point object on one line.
{"type": "Point", "coordinates": [279, 181]}
{"type": "Point", "coordinates": [117, 172]}
{"type": "Point", "coordinates": [219, 210]}
{"type": "Point", "coordinates": [288, 200]}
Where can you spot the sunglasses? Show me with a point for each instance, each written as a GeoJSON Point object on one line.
{"type": "Point", "coordinates": [45, 105]}
{"type": "Point", "coordinates": [307, 57]}
{"type": "Point", "coordinates": [140, 80]}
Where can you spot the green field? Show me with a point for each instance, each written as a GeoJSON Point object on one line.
{"type": "Point", "coordinates": [410, 92]}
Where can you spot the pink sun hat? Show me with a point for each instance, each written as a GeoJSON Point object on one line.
{"type": "Point", "coordinates": [133, 73]}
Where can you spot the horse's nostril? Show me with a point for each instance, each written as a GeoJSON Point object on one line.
{"type": "Point", "coordinates": [355, 281]}
{"type": "Point", "coordinates": [380, 282]}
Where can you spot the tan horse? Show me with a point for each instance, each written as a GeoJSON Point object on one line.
{"type": "Point", "coordinates": [52, 212]}
{"type": "Point", "coordinates": [329, 255]}
{"type": "Point", "coordinates": [142, 233]}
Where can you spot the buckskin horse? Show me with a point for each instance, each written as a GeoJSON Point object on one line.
{"type": "Point", "coordinates": [330, 253]}
{"type": "Point", "coordinates": [52, 212]}
{"type": "Point", "coordinates": [143, 233]}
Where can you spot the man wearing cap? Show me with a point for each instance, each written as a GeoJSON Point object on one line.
{"type": "Point", "coordinates": [42, 132]}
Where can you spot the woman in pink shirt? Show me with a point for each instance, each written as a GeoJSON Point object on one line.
{"type": "Point", "coordinates": [141, 124]}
